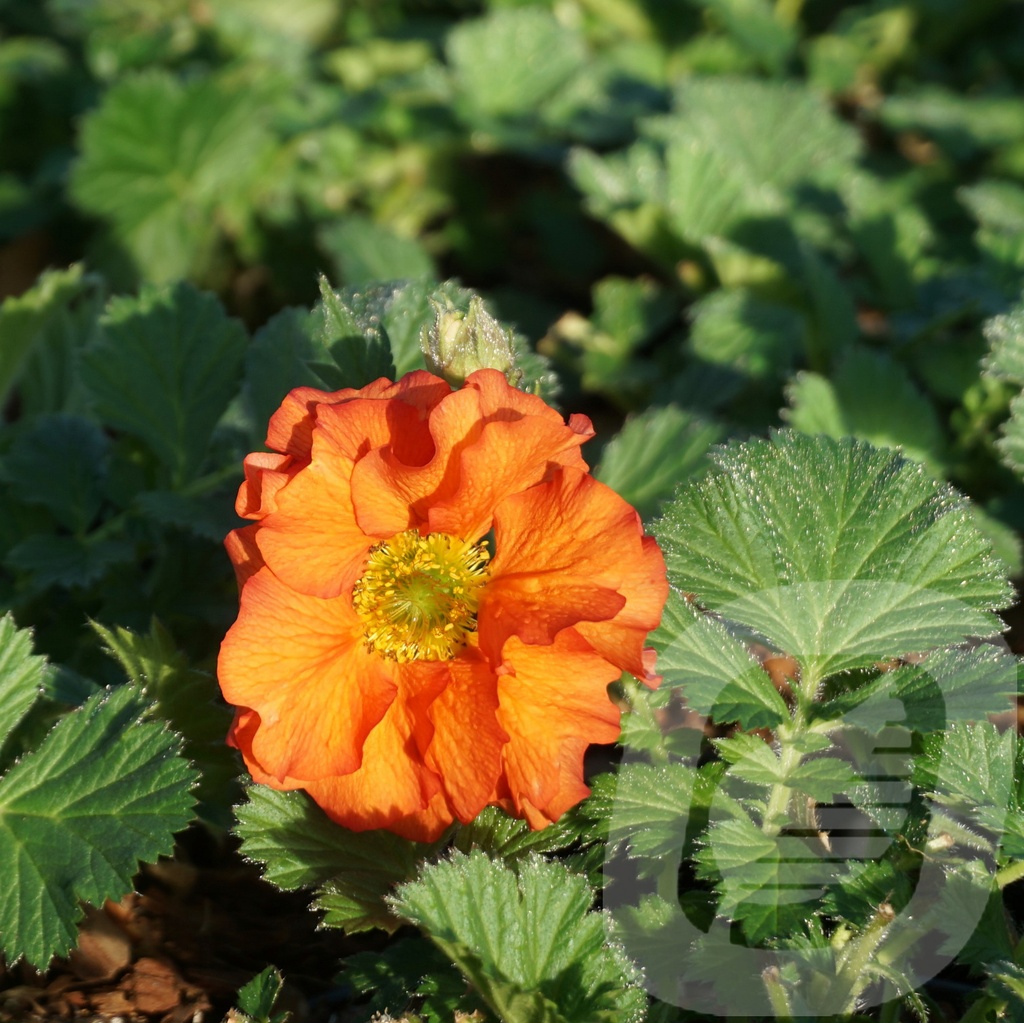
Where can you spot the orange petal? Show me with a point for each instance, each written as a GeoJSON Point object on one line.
{"type": "Point", "coordinates": [312, 541]}
{"type": "Point", "coordinates": [265, 474]}
{"type": "Point", "coordinates": [466, 744]}
{"type": "Point", "coordinates": [392, 783]}
{"type": "Point", "coordinates": [491, 440]}
{"type": "Point", "coordinates": [244, 552]}
{"type": "Point", "coordinates": [423, 824]}
{"type": "Point", "coordinates": [301, 664]}
{"type": "Point", "coordinates": [645, 586]}
{"type": "Point", "coordinates": [291, 426]}
{"type": "Point", "coordinates": [553, 703]}
{"type": "Point", "coordinates": [567, 551]}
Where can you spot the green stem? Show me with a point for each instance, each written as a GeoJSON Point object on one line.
{"type": "Point", "coordinates": [1010, 873]}
{"type": "Point", "coordinates": [853, 975]}
{"type": "Point", "coordinates": [777, 994]}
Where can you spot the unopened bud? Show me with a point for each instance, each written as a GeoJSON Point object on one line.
{"type": "Point", "coordinates": [458, 343]}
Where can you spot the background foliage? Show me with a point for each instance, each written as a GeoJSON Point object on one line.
{"type": "Point", "coordinates": [706, 220]}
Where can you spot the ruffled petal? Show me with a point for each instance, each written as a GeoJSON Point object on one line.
{"type": "Point", "coordinates": [244, 553]}
{"type": "Point", "coordinates": [300, 663]}
{"type": "Point", "coordinates": [645, 585]}
{"type": "Point", "coordinates": [467, 741]}
{"type": "Point", "coordinates": [392, 783]}
{"type": "Point", "coordinates": [553, 702]}
{"type": "Point", "coordinates": [313, 541]}
{"type": "Point", "coordinates": [265, 474]}
{"type": "Point", "coordinates": [291, 426]}
{"type": "Point", "coordinates": [490, 440]}
{"type": "Point", "coordinates": [567, 551]}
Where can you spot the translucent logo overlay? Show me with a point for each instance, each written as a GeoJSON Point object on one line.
{"type": "Point", "coordinates": [942, 875]}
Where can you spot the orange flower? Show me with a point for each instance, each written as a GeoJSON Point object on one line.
{"type": "Point", "coordinates": [435, 595]}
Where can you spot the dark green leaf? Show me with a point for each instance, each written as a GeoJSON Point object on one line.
{"type": "Point", "coordinates": [164, 369]}
{"type": "Point", "coordinates": [301, 847]}
{"type": "Point", "coordinates": [60, 462]}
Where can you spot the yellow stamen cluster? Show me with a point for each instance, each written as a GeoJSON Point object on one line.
{"type": "Point", "coordinates": [418, 595]}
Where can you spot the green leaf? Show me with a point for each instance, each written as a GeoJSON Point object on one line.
{"type": "Point", "coordinates": [496, 833]}
{"type": "Point", "coordinates": [365, 252]}
{"type": "Point", "coordinates": [160, 157]}
{"type": "Point", "coordinates": [256, 998]}
{"type": "Point", "coordinates": [281, 357]}
{"type": "Point", "coordinates": [653, 453]}
{"type": "Point", "coordinates": [24, 318]}
{"type": "Point", "coordinates": [358, 344]}
{"type": "Point", "coordinates": [22, 676]}
{"type": "Point", "coordinates": [410, 969]}
{"type": "Point", "coordinates": [764, 882]}
{"type": "Point", "coordinates": [713, 670]}
{"type": "Point", "coordinates": [103, 792]}
{"type": "Point", "coordinates": [302, 848]}
{"type": "Point", "coordinates": [164, 369]}
{"type": "Point", "coordinates": [509, 62]}
{"type": "Point", "coordinates": [752, 335]}
{"type": "Point", "coordinates": [757, 27]}
{"type": "Point", "coordinates": [768, 135]}
{"type": "Point", "coordinates": [526, 939]}
{"type": "Point", "coordinates": [870, 397]}
{"type": "Point", "coordinates": [969, 770]}
{"type": "Point", "coordinates": [188, 700]}
{"type": "Point", "coordinates": [60, 462]}
{"type": "Point", "coordinates": [67, 561]}
{"type": "Point", "coordinates": [836, 552]}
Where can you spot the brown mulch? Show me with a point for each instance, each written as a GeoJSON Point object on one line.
{"type": "Point", "coordinates": [177, 950]}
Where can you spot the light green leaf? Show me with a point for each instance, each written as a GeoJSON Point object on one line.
{"type": "Point", "coordinates": [837, 553]}
{"type": "Point", "coordinates": [713, 670]}
{"type": "Point", "coordinates": [737, 328]}
{"type": "Point", "coordinates": [302, 848]}
{"type": "Point", "coordinates": [978, 794]}
{"type": "Point", "coordinates": [22, 676]}
{"type": "Point", "coordinates": [755, 25]}
{"type": "Point", "coordinates": [1005, 337]}
{"type": "Point", "coordinates": [526, 939]}
{"type": "Point", "coordinates": [653, 453]}
{"type": "Point", "coordinates": [24, 318]}
{"type": "Point", "coordinates": [509, 62]}
{"type": "Point", "coordinates": [164, 369]}
{"type": "Point", "coordinates": [870, 397]}
{"type": "Point", "coordinates": [365, 252]}
{"type": "Point", "coordinates": [764, 882]}
{"type": "Point", "coordinates": [645, 807]}
{"type": "Point", "coordinates": [159, 157]}
{"type": "Point", "coordinates": [187, 700]}
{"type": "Point", "coordinates": [768, 135]}
{"type": "Point", "coordinates": [60, 462]}
{"type": "Point", "coordinates": [1011, 444]}
{"type": "Point", "coordinates": [103, 792]}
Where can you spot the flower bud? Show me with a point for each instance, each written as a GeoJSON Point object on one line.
{"type": "Point", "coordinates": [458, 343]}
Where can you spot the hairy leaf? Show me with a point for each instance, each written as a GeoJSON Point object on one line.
{"type": "Point", "coordinates": [526, 939]}
{"type": "Point", "coordinates": [104, 791]}
{"type": "Point", "coordinates": [836, 552]}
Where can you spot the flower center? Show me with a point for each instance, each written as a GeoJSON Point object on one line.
{"type": "Point", "coordinates": [418, 595]}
